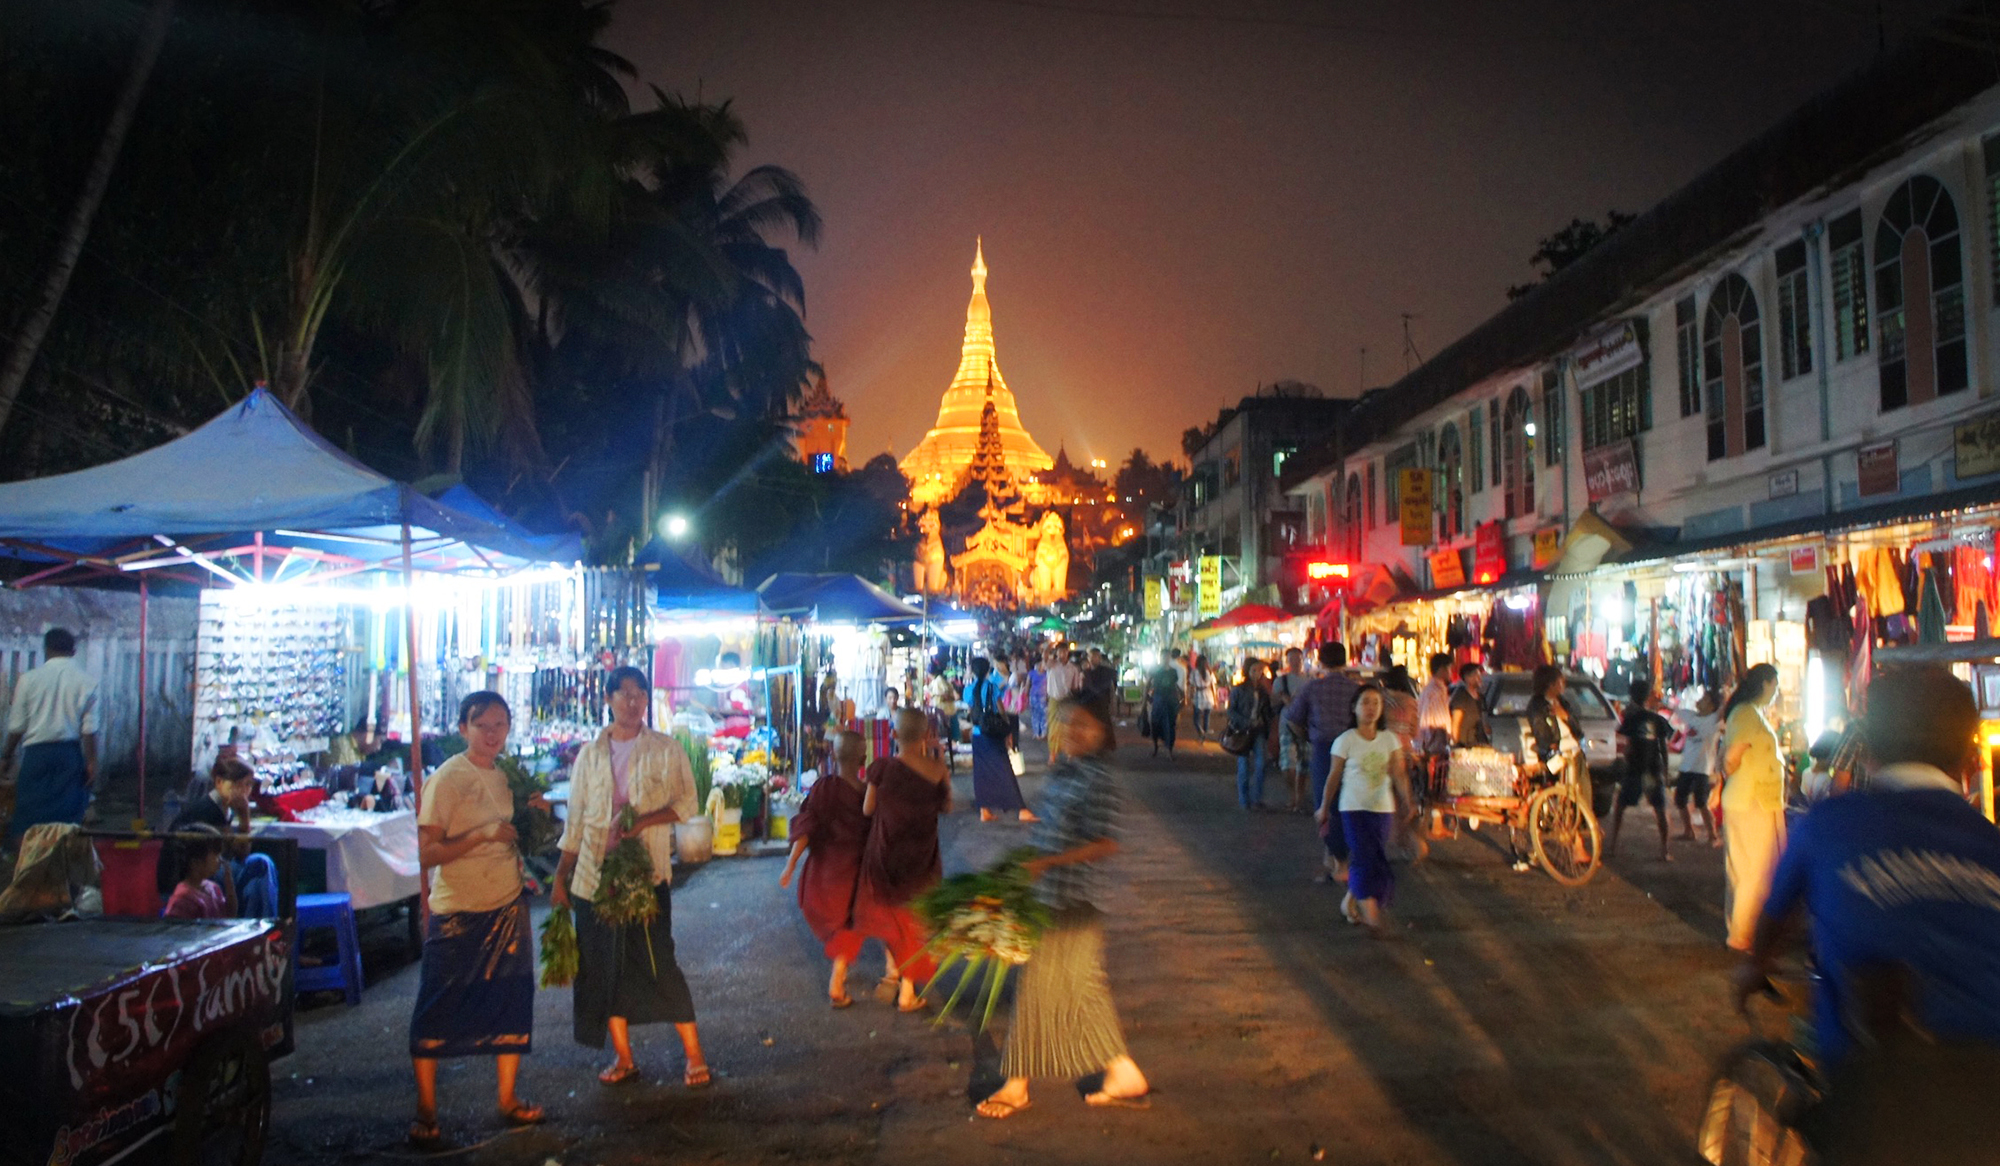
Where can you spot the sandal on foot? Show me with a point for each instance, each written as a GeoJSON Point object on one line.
{"type": "Point", "coordinates": [1103, 1100]}
{"type": "Point", "coordinates": [841, 1001]}
{"type": "Point", "coordinates": [523, 1115]}
{"type": "Point", "coordinates": [427, 1138]}
{"type": "Point", "coordinates": [998, 1110]}
{"type": "Point", "coordinates": [917, 1005]}
{"type": "Point", "coordinates": [696, 1077]}
{"type": "Point", "coordinates": [618, 1075]}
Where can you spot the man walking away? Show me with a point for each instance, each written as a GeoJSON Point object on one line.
{"type": "Point", "coordinates": [1323, 710]}
{"type": "Point", "coordinates": [1899, 879]}
{"type": "Point", "coordinates": [53, 724]}
{"type": "Point", "coordinates": [1291, 739]}
{"type": "Point", "coordinates": [1100, 680]}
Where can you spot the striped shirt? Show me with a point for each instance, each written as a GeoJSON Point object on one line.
{"type": "Point", "coordinates": [1079, 806]}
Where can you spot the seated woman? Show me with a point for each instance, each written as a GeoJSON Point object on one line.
{"type": "Point", "coordinates": [906, 794]}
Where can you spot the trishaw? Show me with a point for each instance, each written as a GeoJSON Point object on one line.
{"type": "Point", "coordinates": [133, 1039]}
{"type": "Point", "coordinates": [1487, 786]}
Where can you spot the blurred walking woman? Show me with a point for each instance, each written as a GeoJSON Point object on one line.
{"type": "Point", "coordinates": [1368, 784]}
{"type": "Point", "coordinates": [627, 975]}
{"type": "Point", "coordinates": [1065, 1024]}
{"type": "Point", "coordinates": [1750, 791]}
{"type": "Point", "coordinates": [476, 995]}
{"type": "Point", "coordinates": [995, 789]}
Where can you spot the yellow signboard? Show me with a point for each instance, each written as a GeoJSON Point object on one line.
{"type": "Point", "coordinates": [1548, 545]}
{"type": "Point", "coordinates": [1414, 493]}
{"type": "Point", "coordinates": [1210, 589]}
{"type": "Point", "coordinates": [1153, 604]}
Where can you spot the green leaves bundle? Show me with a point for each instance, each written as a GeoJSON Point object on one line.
{"type": "Point", "coordinates": [984, 923]}
{"type": "Point", "coordinates": [625, 884]}
{"type": "Point", "coordinates": [698, 764]}
{"type": "Point", "coordinates": [559, 955]}
{"type": "Point", "coordinates": [535, 828]}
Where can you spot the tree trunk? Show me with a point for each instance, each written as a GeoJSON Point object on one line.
{"type": "Point", "coordinates": [29, 341]}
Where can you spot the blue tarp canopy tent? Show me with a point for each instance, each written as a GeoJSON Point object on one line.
{"type": "Point", "coordinates": [254, 497]}
{"type": "Point", "coordinates": [684, 587]}
{"type": "Point", "coordinates": [833, 599]}
{"type": "Point", "coordinates": [251, 496]}
{"type": "Point", "coordinates": [555, 548]}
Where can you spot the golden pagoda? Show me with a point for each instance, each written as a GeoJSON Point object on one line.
{"type": "Point", "coordinates": [935, 468]}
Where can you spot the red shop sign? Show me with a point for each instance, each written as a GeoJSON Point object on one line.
{"type": "Point", "coordinates": [1489, 552]}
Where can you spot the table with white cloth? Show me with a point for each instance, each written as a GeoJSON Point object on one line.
{"type": "Point", "coordinates": [371, 856]}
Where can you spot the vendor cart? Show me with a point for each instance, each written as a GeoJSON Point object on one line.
{"type": "Point", "coordinates": [129, 1039]}
{"type": "Point", "coordinates": [1491, 787]}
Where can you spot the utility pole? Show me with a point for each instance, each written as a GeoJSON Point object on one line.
{"type": "Point", "coordinates": [1411, 357]}
{"type": "Point", "coordinates": [1361, 373]}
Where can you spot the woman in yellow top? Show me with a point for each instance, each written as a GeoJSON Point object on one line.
{"type": "Point", "coordinates": [1750, 792]}
{"type": "Point", "coordinates": [476, 996]}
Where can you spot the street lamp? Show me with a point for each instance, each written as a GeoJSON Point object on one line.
{"type": "Point", "coordinates": [674, 526]}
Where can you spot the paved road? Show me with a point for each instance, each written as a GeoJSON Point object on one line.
{"type": "Point", "coordinates": [1508, 1021]}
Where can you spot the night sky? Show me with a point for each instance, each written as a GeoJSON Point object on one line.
{"type": "Point", "coordinates": [1183, 198]}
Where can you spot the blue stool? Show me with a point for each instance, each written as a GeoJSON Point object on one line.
{"type": "Point", "coordinates": [335, 911]}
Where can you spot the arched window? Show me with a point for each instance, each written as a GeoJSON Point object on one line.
{"type": "Point", "coordinates": [1919, 295]}
{"type": "Point", "coordinates": [1351, 524]}
{"type": "Point", "coordinates": [1517, 453]}
{"type": "Point", "coordinates": [1451, 483]}
{"type": "Point", "coordinates": [1732, 369]}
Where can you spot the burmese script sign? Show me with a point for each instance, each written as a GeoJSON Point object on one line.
{"type": "Point", "coordinates": [1447, 569]}
{"type": "Point", "coordinates": [1414, 505]}
{"type": "Point", "coordinates": [1154, 604]}
{"type": "Point", "coordinates": [1976, 446]}
{"type": "Point", "coordinates": [1489, 552]}
{"type": "Point", "coordinates": [1607, 353]}
{"type": "Point", "coordinates": [1610, 470]}
{"type": "Point", "coordinates": [1209, 586]}
{"type": "Point", "coordinates": [1877, 465]}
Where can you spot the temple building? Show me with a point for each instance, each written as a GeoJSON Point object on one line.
{"type": "Point", "coordinates": [819, 430]}
{"type": "Point", "coordinates": [1019, 555]}
{"type": "Point", "coordinates": [939, 462]}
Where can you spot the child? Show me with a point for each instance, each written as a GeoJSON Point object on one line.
{"type": "Point", "coordinates": [1699, 730]}
{"type": "Point", "coordinates": [1820, 782]}
{"type": "Point", "coordinates": [1646, 733]}
{"type": "Point", "coordinates": [199, 895]}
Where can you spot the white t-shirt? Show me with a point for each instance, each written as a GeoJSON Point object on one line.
{"type": "Point", "coordinates": [1698, 734]}
{"type": "Point", "coordinates": [1364, 779]}
{"type": "Point", "coordinates": [55, 702]}
{"type": "Point", "coordinates": [1063, 680]}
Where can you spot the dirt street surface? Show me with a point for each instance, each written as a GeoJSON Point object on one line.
{"type": "Point", "coordinates": [1508, 1020]}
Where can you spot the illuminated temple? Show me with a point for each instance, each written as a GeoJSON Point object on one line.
{"type": "Point", "coordinates": [935, 468]}
{"type": "Point", "coordinates": [1018, 556]}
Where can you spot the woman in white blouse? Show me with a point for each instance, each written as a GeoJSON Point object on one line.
{"type": "Point", "coordinates": [627, 975]}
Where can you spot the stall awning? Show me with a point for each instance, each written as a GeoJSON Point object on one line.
{"type": "Point", "coordinates": [685, 587]}
{"type": "Point", "coordinates": [556, 548]}
{"type": "Point", "coordinates": [833, 599]}
{"type": "Point", "coordinates": [1248, 615]}
{"type": "Point", "coordinates": [254, 484]}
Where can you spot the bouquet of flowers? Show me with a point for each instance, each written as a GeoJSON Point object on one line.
{"type": "Point", "coordinates": [625, 883]}
{"type": "Point", "coordinates": [535, 828]}
{"type": "Point", "coordinates": [559, 957]}
{"type": "Point", "coordinates": [985, 922]}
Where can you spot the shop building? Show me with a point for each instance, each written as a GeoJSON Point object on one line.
{"type": "Point", "coordinates": [1786, 365]}
{"type": "Point", "coordinates": [1232, 506]}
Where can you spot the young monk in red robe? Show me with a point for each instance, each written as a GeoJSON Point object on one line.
{"type": "Point", "coordinates": [906, 793]}
{"type": "Point", "coordinates": [833, 829]}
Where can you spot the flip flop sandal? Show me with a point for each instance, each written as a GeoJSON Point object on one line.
{"type": "Point", "coordinates": [917, 1005]}
{"type": "Point", "coordinates": [618, 1075]}
{"type": "Point", "coordinates": [522, 1116]}
{"type": "Point", "coordinates": [697, 1077]}
{"type": "Point", "coordinates": [841, 1001]}
{"type": "Point", "coordinates": [427, 1138]}
{"type": "Point", "coordinates": [1102, 1100]}
{"type": "Point", "coordinates": [1005, 1109]}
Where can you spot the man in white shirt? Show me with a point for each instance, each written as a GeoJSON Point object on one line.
{"type": "Point", "coordinates": [53, 726]}
{"type": "Point", "coordinates": [1064, 679]}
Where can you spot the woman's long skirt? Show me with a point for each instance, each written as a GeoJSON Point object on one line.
{"type": "Point", "coordinates": [1752, 840]}
{"type": "Point", "coordinates": [1065, 1024]}
{"type": "Point", "coordinates": [620, 973]}
{"type": "Point", "coordinates": [994, 786]}
{"type": "Point", "coordinates": [1369, 875]}
{"type": "Point", "coordinates": [476, 994]}
{"type": "Point", "coordinates": [1038, 712]}
{"type": "Point", "coordinates": [1165, 716]}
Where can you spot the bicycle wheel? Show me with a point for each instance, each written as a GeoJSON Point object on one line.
{"type": "Point", "coordinates": [1565, 835]}
{"type": "Point", "coordinates": [1754, 1105]}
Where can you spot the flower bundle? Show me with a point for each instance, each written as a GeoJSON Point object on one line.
{"type": "Point", "coordinates": [700, 763]}
{"type": "Point", "coordinates": [625, 883]}
{"type": "Point", "coordinates": [985, 922]}
{"type": "Point", "coordinates": [535, 828]}
{"type": "Point", "coordinates": [559, 955]}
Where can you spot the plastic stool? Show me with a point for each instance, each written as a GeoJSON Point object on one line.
{"type": "Point", "coordinates": [335, 911]}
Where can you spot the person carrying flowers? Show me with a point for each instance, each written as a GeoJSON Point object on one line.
{"type": "Point", "coordinates": [628, 788]}
{"type": "Point", "coordinates": [1065, 1024]}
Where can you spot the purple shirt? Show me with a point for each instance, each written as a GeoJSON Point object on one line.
{"type": "Point", "coordinates": [1325, 708]}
